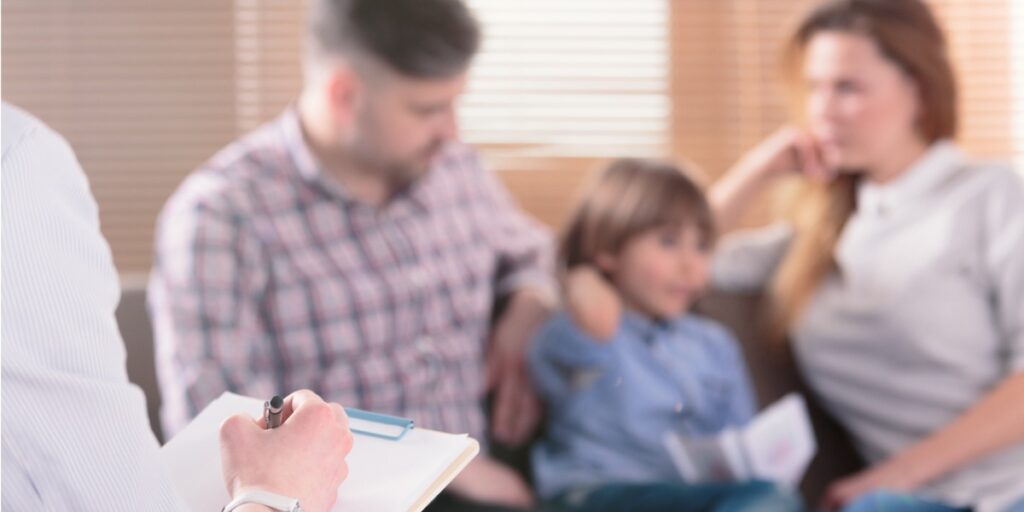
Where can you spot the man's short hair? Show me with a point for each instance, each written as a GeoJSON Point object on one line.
{"type": "Point", "coordinates": [416, 38]}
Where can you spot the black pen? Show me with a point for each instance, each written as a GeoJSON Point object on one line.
{"type": "Point", "coordinates": [272, 411]}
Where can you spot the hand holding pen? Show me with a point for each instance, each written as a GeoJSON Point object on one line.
{"type": "Point", "coordinates": [297, 448]}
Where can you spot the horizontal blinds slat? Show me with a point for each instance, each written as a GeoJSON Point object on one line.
{"type": "Point", "coordinates": [147, 91]}
{"type": "Point", "coordinates": [543, 78]}
{"type": "Point", "coordinates": [142, 90]}
{"type": "Point", "coordinates": [1017, 71]}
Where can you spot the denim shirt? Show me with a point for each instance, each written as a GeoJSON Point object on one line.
{"type": "Point", "coordinates": [610, 404]}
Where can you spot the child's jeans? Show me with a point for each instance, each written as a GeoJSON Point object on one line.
{"type": "Point", "coordinates": [885, 501]}
{"type": "Point", "coordinates": [677, 497]}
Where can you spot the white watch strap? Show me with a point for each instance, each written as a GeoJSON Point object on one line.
{"type": "Point", "coordinates": [272, 500]}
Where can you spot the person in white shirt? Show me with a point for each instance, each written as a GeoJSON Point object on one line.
{"type": "Point", "coordinates": [899, 278]}
{"type": "Point", "coordinates": [75, 431]}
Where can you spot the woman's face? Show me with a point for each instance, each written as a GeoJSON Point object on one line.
{"type": "Point", "coordinates": [861, 107]}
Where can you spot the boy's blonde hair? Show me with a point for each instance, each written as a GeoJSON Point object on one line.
{"type": "Point", "coordinates": [627, 198]}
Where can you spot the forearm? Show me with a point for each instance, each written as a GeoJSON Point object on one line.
{"type": "Point", "coordinates": [527, 309]}
{"type": "Point", "coordinates": [592, 303]}
{"type": "Point", "coordinates": [595, 314]}
{"type": "Point", "coordinates": [995, 422]}
{"type": "Point", "coordinates": [734, 192]}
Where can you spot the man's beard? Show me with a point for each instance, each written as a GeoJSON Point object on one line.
{"type": "Point", "coordinates": [398, 173]}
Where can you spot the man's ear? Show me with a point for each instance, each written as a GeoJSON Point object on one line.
{"type": "Point", "coordinates": [344, 92]}
{"type": "Point", "coordinates": [605, 262]}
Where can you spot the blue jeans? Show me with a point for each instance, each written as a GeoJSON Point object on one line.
{"type": "Point", "coordinates": [885, 501]}
{"type": "Point", "coordinates": [678, 497]}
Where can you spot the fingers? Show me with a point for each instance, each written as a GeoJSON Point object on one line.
{"type": "Point", "coordinates": [809, 160]}
{"type": "Point", "coordinates": [526, 411]}
{"type": "Point", "coordinates": [528, 415]}
{"type": "Point", "coordinates": [502, 410]}
{"type": "Point", "coordinates": [307, 402]}
{"type": "Point", "coordinates": [298, 400]}
{"type": "Point", "coordinates": [304, 401]}
{"type": "Point", "coordinates": [238, 426]}
{"type": "Point", "coordinates": [516, 408]}
{"type": "Point", "coordinates": [835, 497]}
{"type": "Point", "coordinates": [339, 414]}
{"type": "Point", "coordinates": [491, 369]}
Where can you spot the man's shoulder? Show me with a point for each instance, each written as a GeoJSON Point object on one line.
{"type": "Point", "coordinates": [16, 125]}
{"type": "Point", "coordinates": [19, 126]}
{"type": "Point", "coordinates": [248, 172]}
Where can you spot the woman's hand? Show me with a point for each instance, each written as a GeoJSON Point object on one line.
{"type": "Point", "coordinates": [592, 302]}
{"type": "Point", "coordinates": [789, 150]}
{"type": "Point", "coordinates": [889, 476]}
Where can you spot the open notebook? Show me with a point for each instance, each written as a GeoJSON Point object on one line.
{"type": "Point", "coordinates": [777, 445]}
{"type": "Point", "coordinates": [384, 475]}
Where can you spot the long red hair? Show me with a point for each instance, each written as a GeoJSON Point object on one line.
{"type": "Point", "coordinates": [906, 33]}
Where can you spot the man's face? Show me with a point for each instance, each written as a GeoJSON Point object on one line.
{"type": "Point", "coordinates": [401, 124]}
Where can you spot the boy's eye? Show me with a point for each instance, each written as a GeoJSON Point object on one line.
{"type": "Point", "coordinates": [668, 240]}
{"type": "Point", "coordinates": [847, 86]}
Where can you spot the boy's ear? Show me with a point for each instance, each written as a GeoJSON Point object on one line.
{"type": "Point", "coordinates": [605, 262]}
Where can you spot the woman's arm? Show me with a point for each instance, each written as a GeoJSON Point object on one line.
{"type": "Point", "coordinates": [788, 149]}
{"type": "Point", "coordinates": [995, 422]}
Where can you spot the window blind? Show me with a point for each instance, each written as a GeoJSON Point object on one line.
{"type": "Point", "coordinates": [146, 91]}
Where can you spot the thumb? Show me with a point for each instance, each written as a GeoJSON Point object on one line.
{"type": "Point", "coordinates": [237, 427]}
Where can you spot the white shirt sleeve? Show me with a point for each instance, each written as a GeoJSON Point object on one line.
{"type": "Point", "coordinates": [75, 431]}
{"type": "Point", "coordinates": [745, 261]}
{"type": "Point", "coordinates": [1004, 259]}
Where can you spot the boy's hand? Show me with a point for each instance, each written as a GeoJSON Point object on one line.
{"type": "Point", "coordinates": [592, 302]}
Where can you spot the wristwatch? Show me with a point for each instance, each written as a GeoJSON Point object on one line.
{"type": "Point", "coordinates": [274, 501]}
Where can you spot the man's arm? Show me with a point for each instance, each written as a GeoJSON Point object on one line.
{"type": "Point", "coordinates": [76, 433]}
{"type": "Point", "coordinates": [516, 407]}
{"type": "Point", "coordinates": [209, 276]}
{"type": "Point", "coordinates": [525, 279]}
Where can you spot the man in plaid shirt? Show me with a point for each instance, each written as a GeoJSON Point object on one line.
{"type": "Point", "coordinates": [353, 247]}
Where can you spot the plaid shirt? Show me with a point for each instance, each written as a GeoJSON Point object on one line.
{"type": "Point", "coordinates": [269, 278]}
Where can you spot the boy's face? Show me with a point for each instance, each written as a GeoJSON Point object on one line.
{"type": "Point", "coordinates": [661, 272]}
